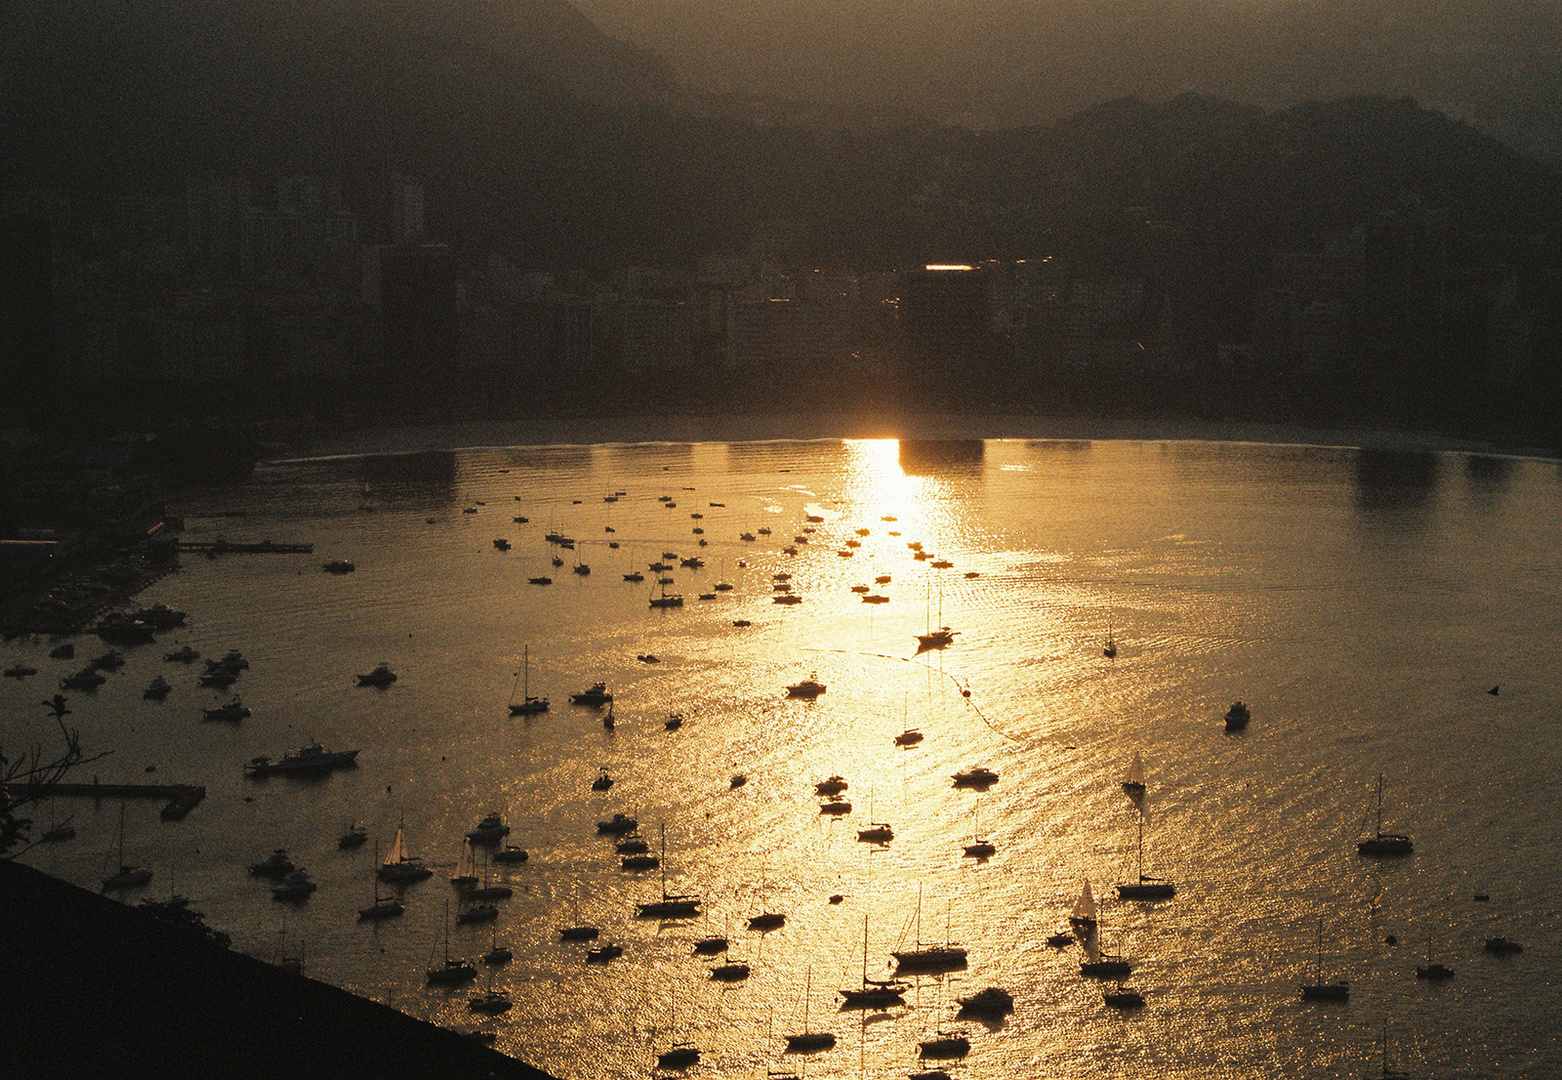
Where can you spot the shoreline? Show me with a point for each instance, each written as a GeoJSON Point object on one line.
{"type": "Point", "coordinates": [801, 427]}
{"type": "Point", "coordinates": [160, 1000]}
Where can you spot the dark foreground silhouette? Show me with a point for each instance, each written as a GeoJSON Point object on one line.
{"type": "Point", "coordinates": [95, 988]}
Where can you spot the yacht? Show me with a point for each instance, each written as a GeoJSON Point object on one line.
{"type": "Point", "coordinates": [306, 759]}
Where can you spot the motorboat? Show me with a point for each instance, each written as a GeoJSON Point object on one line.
{"type": "Point", "coordinates": [540, 580]}
{"type": "Point", "coordinates": [732, 971]}
{"type": "Point", "coordinates": [183, 655]}
{"type": "Point", "coordinates": [233, 711]}
{"type": "Point", "coordinates": [277, 865]}
{"type": "Point", "coordinates": [787, 598]}
{"type": "Point", "coordinates": [1237, 717]}
{"type": "Point", "coordinates": [85, 679]}
{"type": "Point", "coordinates": [909, 737]}
{"type": "Point", "coordinates": [20, 671]}
{"type": "Point", "coordinates": [944, 1044]}
{"type": "Point", "coordinates": [835, 808]}
{"type": "Point", "coordinates": [808, 689]}
{"type": "Point", "coordinates": [878, 832]}
{"type": "Point", "coordinates": [338, 566]}
{"type": "Point", "coordinates": [980, 849]}
{"type": "Point", "coordinates": [578, 933]}
{"type": "Point", "coordinates": [353, 838]}
{"type": "Point", "coordinates": [157, 689]}
{"type": "Point", "coordinates": [991, 1004]}
{"type": "Point", "coordinates": [602, 782]}
{"type": "Point", "coordinates": [382, 676]}
{"type": "Point", "coordinates": [295, 886]}
{"type": "Point", "coordinates": [603, 953]}
{"type": "Point", "coordinates": [634, 846]}
{"type": "Point", "coordinates": [306, 759]}
{"type": "Point", "coordinates": [619, 825]}
{"type": "Point", "coordinates": [490, 830]}
{"type": "Point", "coordinates": [476, 913]}
{"type": "Point", "coordinates": [831, 786]}
{"type": "Point", "coordinates": [595, 695]}
{"type": "Point", "coordinates": [674, 721]}
{"type": "Point", "coordinates": [1124, 997]}
{"type": "Point", "coordinates": [509, 854]}
{"type": "Point", "coordinates": [978, 777]}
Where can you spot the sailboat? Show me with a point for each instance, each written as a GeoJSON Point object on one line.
{"type": "Point", "coordinates": [1382, 843]}
{"type": "Point", "coordinates": [126, 877]}
{"type": "Point", "coordinates": [465, 876]}
{"type": "Point", "coordinates": [1435, 972]}
{"type": "Point", "coordinates": [667, 599]}
{"type": "Point", "coordinates": [1109, 648]}
{"type": "Point", "coordinates": [1146, 888]}
{"type": "Point", "coordinates": [809, 1041]}
{"type": "Point", "coordinates": [1320, 990]}
{"type": "Point", "coordinates": [1388, 1074]}
{"type": "Point", "coordinates": [941, 638]}
{"type": "Point", "coordinates": [528, 705]}
{"type": "Point", "coordinates": [671, 905]}
{"type": "Point", "coordinates": [766, 921]}
{"type": "Point", "coordinates": [929, 959]}
{"type": "Point", "coordinates": [1103, 965]}
{"type": "Point", "coordinates": [682, 1054]}
{"type": "Point", "coordinates": [452, 971]}
{"type": "Point", "coordinates": [383, 907]}
{"type": "Point", "coordinates": [979, 847]}
{"type": "Point", "coordinates": [1084, 913]}
{"type": "Point", "coordinates": [399, 866]}
{"type": "Point", "coordinates": [875, 993]}
{"type": "Point", "coordinates": [1133, 779]}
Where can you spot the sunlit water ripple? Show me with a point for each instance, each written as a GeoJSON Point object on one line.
{"type": "Point", "coordinates": [1361, 603]}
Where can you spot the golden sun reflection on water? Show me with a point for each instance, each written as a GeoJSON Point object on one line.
{"type": "Point", "coordinates": [1276, 575]}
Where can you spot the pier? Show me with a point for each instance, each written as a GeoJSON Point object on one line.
{"type": "Point", "coordinates": [182, 798]}
{"type": "Point", "coordinates": [229, 547]}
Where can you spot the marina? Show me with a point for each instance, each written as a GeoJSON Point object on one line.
{"type": "Point", "coordinates": [1218, 585]}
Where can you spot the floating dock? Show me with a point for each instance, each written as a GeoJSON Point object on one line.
{"type": "Point", "coordinates": [230, 547]}
{"type": "Point", "coordinates": [182, 798]}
